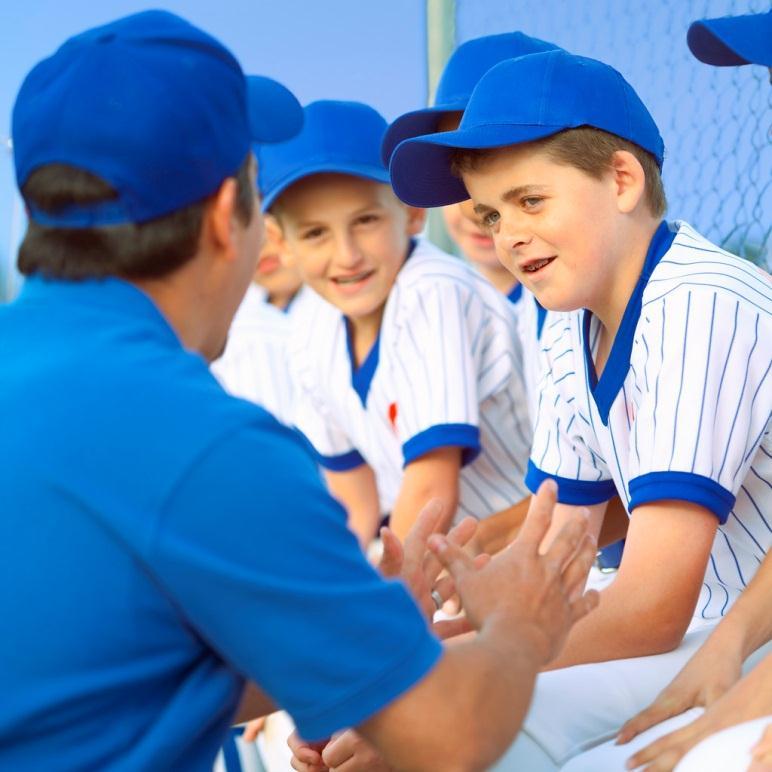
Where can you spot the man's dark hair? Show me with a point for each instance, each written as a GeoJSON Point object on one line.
{"type": "Point", "coordinates": [132, 250]}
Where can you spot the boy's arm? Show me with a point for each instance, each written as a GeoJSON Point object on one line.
{"type": "Point", "coordinates": [648, 607]}
{"type": "Point", "coordinates": [717, 665]}
{"type": "Point", "coordinates": [357, 491]}
{"type": "Point", "coordinates": [433, 475]}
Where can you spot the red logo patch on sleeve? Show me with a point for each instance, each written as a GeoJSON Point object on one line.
{"type": "Point", "coordinates": [393, 415]}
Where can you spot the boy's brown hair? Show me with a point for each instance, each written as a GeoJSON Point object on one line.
{"type": "Point", "coordinates": [588, 149]}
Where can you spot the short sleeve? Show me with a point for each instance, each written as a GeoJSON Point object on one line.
{"type": "Point", "coordinates": [313, 418]}
{"type": "Point", "coordinates": [436, 372]}
{"type": "Point", "coordinates": [563, 434]}
{"type": "Point", "coordinates": [702, 362]}
{"type": "Point", "coordinates": [258, 558]}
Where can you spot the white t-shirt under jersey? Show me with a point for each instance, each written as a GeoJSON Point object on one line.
{"type": "Point", "coordinates": [682, 408]}
{"type": "Point", "coordinates": [446, 371]}
{"type": "Point", "coordinates": [254, 364]}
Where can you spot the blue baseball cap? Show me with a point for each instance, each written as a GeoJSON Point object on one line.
{"type": "Point", "coordinates": [273, 111]}
{"type": "Point", "coordinates": [733, 40]}
{"type": "Point", "coordinates": [522, 100]}
{"type": "Point", "coordinates": [467, 64]}
{"type": "Point", "coordinates": [340, 137]}
{"type": "Point", "coordinates": [151, 104]}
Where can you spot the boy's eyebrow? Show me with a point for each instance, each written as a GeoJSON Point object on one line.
{"type": "Point", "coordinates": [520, 191]}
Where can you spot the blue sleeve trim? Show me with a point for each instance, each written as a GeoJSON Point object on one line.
{"type": "Point", "coordinates": [414, 665]}
{"type": "Point", "coordinates": [682, 486]}
{"type": "Point", "coordinates": [341, 463]}
{"type": "Point", "coordinates": [572, 491]}
{"type": "Point", "coordinates": [464, 436]}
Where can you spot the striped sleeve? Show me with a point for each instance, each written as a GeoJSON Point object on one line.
{"type": "Point", "coordinates": [435, 372]}
{"type": "Point", "coordinates": [704, 397]}
{"type": "Point", "coordinates": [563, 435]}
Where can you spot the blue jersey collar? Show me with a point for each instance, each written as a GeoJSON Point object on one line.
{"type": "Point", "coordinates": [605, 390]}
{"type": "Point", "coordinates": [362, 376]}
{"type": "Point", "coordinates": [514, 295]}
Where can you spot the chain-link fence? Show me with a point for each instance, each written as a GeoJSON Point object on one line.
{"type": "Point", "coordinates": [716, 121]}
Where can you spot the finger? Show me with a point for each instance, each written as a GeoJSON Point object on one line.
{"type": "Point", "coordinates": [583, 605]}
{"type": "Point", "coordinates": [656, 713]}
{"type": "Point", "coordinates": [458, 563]}
{"type": "Point", "coordinates": [445, 587]}
{"type": "Point", "coordinates": [393, 555]}
{"type": "Point", "coordinates": [481, 560]}
{"type": "Point", "coordinates": [427, 523]}
{"type": "Point", "coordinates": [450, 628]}
{"type": "Point", "coordinates": [673, 745]}
{"type": "Point", "coordinates": [341, 749]}
{"type": "Point", "coordinates": [665, 762]}
{"type": "Point", "coordinates": [539, 517]}
{"type": "Point", "coordinates": [460, 534]}
{"type": "Point", "coordinates": [566, 544]}
{"type": "Point", "coordinates": [576, 572]}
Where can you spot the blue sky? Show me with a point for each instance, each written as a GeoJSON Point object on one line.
{"type": "Point", "coordinates": [366, 50]}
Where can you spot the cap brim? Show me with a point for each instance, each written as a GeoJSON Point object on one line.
{"type": "Point", "coordinates": [415, 124]}
{"type": "Point", "coordinates": [366, 171]}
{"type": "Point", "coordinates": [732, 40]}
{"type": "Point", "coordinates": [420, 167]}
{"type": "Point", "coordinates": [275, 115]}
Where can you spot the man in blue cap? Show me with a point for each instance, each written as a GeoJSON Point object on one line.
{"type": "Point", "coordinates": [161, 542]}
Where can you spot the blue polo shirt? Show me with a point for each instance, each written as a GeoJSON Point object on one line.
{"type": "Point", "coordinates": [161, 542]}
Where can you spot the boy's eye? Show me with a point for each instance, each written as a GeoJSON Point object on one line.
{"type": "Point", "coordinates": [489, 219]}
{"type": "Point", "coordinates": [529, 202]}
{"type": "Point", "coordinates": [366, 219]}
{"type": "Point", "coordinates": [311, 233]}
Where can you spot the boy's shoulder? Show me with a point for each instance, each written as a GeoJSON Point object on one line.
{"type": "Point", "coordinates": [430, 271]}
{"type": "Point", "coordinates": [256, 315]}
{"type": "Point", "coordinates": [693, 265]}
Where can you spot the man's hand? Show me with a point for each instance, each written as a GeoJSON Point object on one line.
{"type": "Point", "coordinates": [748, 699]}
{"type": "Point", "coordinates": [417, 567]}
{"type": "Point", "coordinates": [538, 597]}
{"type": "Point", "coordinates": [706, 677]}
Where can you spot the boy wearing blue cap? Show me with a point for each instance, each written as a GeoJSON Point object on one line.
{"type": "Point", "coordinates": [466, 65]}
{"type": "Point", "coordinates": [710, 695]}
{"type": "Point", "coordinates": [149, 581]}
{"type": "Point", "coordinates": [414, 371]}
{"type": "Point", "coordinates": [656, 381]}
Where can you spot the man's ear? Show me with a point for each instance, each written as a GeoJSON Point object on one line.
{"type": "Point", "coordinates": [629, 180]}
{"type": "Point", "coordinates": [416, 219]}
{"type": "Point", "coordinates": [219, 216]}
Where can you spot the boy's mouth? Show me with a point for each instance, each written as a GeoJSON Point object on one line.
{"type": "Point", "coordinates": [268, 264]}
{"type": "Point", "coordinates": [354, 279]}
{"type": "Point", "coordinates": [536, 265]}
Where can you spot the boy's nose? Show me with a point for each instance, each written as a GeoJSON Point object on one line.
{"type": "Point", "coordinates": [348, 253]}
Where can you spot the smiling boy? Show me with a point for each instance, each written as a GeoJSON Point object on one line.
{"type": "Point", "coordinates": [657, 387]}
{"type": "Point", "coordinates": [411, 374]}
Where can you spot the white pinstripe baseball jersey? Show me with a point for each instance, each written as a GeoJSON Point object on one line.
{"type": "Point", "coordinates": [254, 364]}
{"type": "Point", "coordinates": [682, 407]}
{"type": "Point", "coordinates": [445, 371]}
{"type": "Point", "coordinates": [531, 318]}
